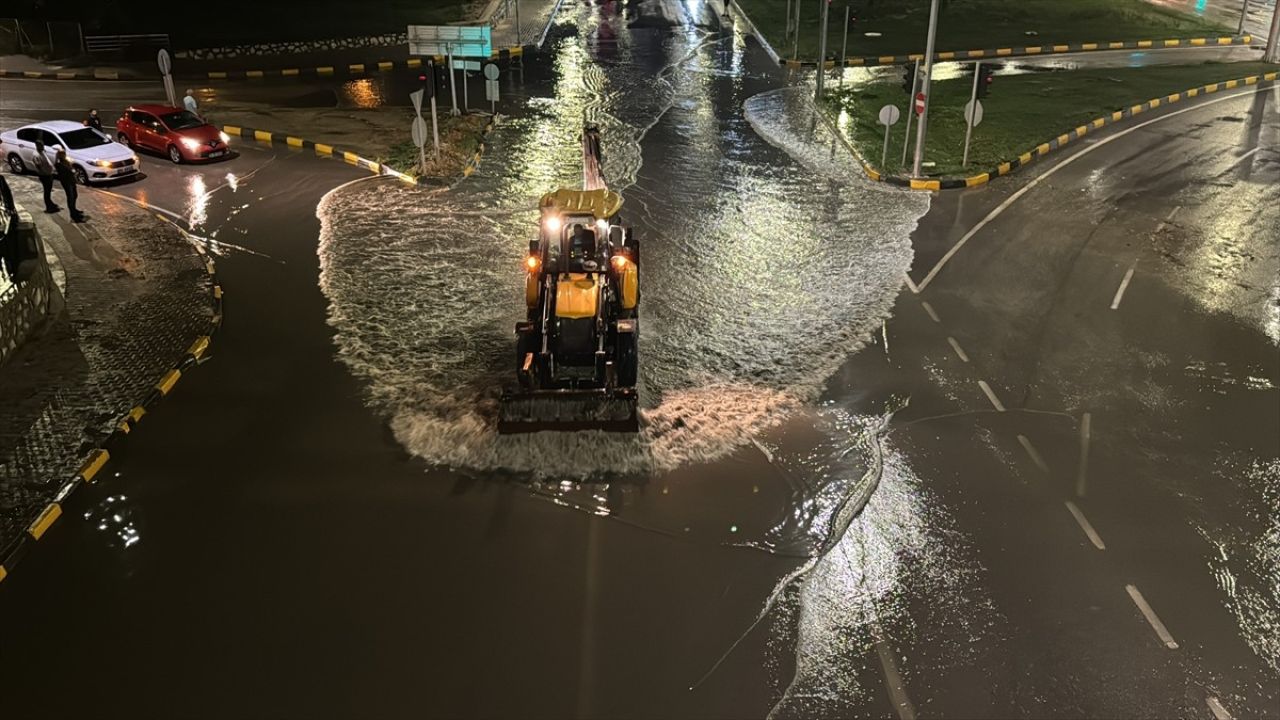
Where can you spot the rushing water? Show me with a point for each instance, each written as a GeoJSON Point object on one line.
{"type": "Point", "coordinates": [758, 274]}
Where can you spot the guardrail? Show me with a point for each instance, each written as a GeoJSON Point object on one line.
{"type": "Point", "coordinates": [111, 43]}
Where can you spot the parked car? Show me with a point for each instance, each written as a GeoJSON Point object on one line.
{"type": "Point", "coordinates": [94, 157]}
{"type": "Point", "coordinates": [172, 131]}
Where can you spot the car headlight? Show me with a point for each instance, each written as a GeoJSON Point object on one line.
{"type": "Point", "coordinates": [190, 144]}
{"type": "Point", "coordinates": [102, 163]}
{"type": "Point", "coordinates": [225, 138]}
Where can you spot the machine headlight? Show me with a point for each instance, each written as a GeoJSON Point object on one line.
{"type": "Point", "coordinates": [552, 223]}
{"type": "Point", "coordinates": [225, 137]}
{"type": "Point", "coordinates": [532, 262]}
{"type": "Point", "coordinates": [619, 262]}
{"type": "Point", "coordinates": [602, 226]}
{"type": "Point", "coordinates": [190, 144]}
{"type": "Point", "coordinates": [102, 163]}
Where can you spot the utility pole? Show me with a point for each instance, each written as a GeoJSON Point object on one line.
{"type": "Point", "coordinates": [1244, 13]}
{"type": "Point", "coordinates": [822, 50]}
{"type": "Point", "coordinates": [1273, 47]}
{"type": "Point", "coordinates": [844, 46]}
{"type": "Point", "coordinates": [921, 128]}
{"type": "Point", "coordinates": [795, 55]}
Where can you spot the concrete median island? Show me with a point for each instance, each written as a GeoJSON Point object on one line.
{"type": "Point", "coordinates": [966, 24]}
{"type": "Point", "coordinates": [1020, 112]}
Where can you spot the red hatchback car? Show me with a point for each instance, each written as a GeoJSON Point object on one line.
{"type": "Point", "coordinates": [171, 131]}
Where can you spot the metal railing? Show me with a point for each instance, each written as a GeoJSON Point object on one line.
{"type": "Point", "coordinates": [112, 43]}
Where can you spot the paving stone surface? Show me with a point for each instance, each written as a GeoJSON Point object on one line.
{"type": "Point", "coordinates": [135, 295]}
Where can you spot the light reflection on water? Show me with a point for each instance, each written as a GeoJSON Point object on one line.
{"type": "Point", "coordinates": [758, 277]}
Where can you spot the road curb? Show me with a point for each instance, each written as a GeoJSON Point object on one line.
{"type": "Point", "coordinates": [63, 75]}
{"type": "Point", "coordinates": [502, 55]}
{"type": "Point", "coordinates": [1043, 148]}
{"type": "Point", "coordinates": [323, 150]}
{"type": "Point", "coordinates": [97, 458]}
{"type": "Point", "coordinates": [1031, 50]}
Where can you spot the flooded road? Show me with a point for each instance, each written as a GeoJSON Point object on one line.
{"type": "Point", "coordinates": [848, 499]}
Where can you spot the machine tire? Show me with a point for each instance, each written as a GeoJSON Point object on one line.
{"type": "Point", "coordinates": [124, 140]}
{"type": "Point", "coordinates": [175, 155]}
{"type": "Point", "coordinates": [82, 177]}
{"type": "Point", "coordinates": [628, 362]}
{"type": "Point", "coordinates": [16, 164]}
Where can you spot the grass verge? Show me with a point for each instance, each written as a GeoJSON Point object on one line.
{"type": "Point", "coordinates": [972, 24]}
{"type": "Point", "coordinates": [1021, 111]}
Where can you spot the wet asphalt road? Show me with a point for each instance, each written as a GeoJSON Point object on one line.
{"type": "Point", "coordinates": [295, 562]}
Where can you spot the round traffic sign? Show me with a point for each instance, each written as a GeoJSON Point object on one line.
{"type": "Point", "coordinates": [919, 103]}
{"type": "Point", "coordinates": [889, 114]}
{"type": "Point", "coordinates": [491, 71]}
{"type": "Point", "coordinates": [162, 60]}
{"type": "Point", "coordinates": [419, 132]}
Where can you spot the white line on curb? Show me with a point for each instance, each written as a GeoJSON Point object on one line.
{"type": "Point", "coordinates": [1082, 469]}
{"type": "Point", "coordinates": [986, 389]}
{"type": "Point", "coordinates": [959, 350]}
{"type": "Point", "coordinates": [1033, 453]}
{"type": "Point", "coordinates": [1219, 712]}
{"type": "Point", "coordinates": [1151, 617]}
{"type": "Point", "coordinates": [1086, 526]}
{"type": "Point", "coordinates": [1115, 303]}
{"type": "Point", "coordinates": [929, 309]}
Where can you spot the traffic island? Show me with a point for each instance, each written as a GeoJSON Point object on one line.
{"type": "Point", "coordinates": [376, 139]}
{"type": "Point", "coordinates": [135, 304]}
{"type": "Point", "coordinates": [899, 28]}
{"type": "Point", "coordinates": [1025, 116]}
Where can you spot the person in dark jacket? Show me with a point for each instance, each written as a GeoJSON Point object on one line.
{"type": "Point", "coordinates": [44, 170]}
{"type": "Point", "coordinates": [93, 120]}
{"type": "Point", "coordinates": [67, 177]}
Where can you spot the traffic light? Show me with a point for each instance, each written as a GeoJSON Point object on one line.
{"type": "Point", "coordinates": [984, 79]}
{"type": "Point", "coordinates": [909, 78]}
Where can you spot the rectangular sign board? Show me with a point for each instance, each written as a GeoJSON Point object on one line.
{"type": "Point", "coordinates": [464, 40]}
{"type": "Point", "coordinates": [473, 65]}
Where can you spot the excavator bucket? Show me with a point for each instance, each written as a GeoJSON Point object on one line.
{"type": "Point", "coordinates": [568, 410]}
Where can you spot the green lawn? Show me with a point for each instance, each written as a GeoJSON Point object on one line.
{"type": "Point", "coordinates": [1021, 111]}
{"type": "Point", "coordinates": [972, 24]}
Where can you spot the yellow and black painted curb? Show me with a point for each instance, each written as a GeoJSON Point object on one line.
{"type": "Point", "coordinates": [1049, 146]}
{"type": "Point", "coordinates": [320, 149]}
{"type": "Point", "coordinates": [62, 75]}
{"type": "Point", "coordinates": [351, 158]}
{"type": "Point", "coordinates": [474, 162]}
{"type": "Point", "coordinates": [98, 458]}
{"type": "Point", "coordinates": [502, 55]}
{"type": "Point", "coordinates": [1032, 50]}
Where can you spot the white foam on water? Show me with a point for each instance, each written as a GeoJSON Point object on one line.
{"type": "Point", "coordinates": [758, 278]}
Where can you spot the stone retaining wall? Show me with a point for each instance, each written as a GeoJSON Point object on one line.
{"type": "Point", "coordinates": [23, 311]}
{"type": "Point", "coordinates": [290, 48]}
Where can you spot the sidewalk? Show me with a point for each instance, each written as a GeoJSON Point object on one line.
{"type": "Point", "coordinates": [536, 17]}
{"type": "Point", "coordinates": [24, 66]}
{"type": "Point", "coordinates": [136, 294]}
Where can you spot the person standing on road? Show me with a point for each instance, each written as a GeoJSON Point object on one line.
{"type": "Point", "coordinates": [44, 169]}
{"type": "Point", "coordinates": [189, 102]}
{"type": "Point", "coordinates": [93, 120]}
{"type": "Point", "coordinates": [67, 177]}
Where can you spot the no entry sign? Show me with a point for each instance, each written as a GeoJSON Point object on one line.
{"type": "Point", "coordinates": [919, 103]}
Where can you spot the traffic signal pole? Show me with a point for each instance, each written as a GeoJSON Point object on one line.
{"type": "Point", "coordinates": [921, 129]}
{"type": "Point", "coordinates": [822, 49]}
{"type": "Point", "coordinates": [911, 99]}
{"type": "Point", "coordinates": [973, 103]}
{"type": "Point", "coordinates": [1273, 47]}
{"type": "Point", "coordinates": [1244, 14]}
